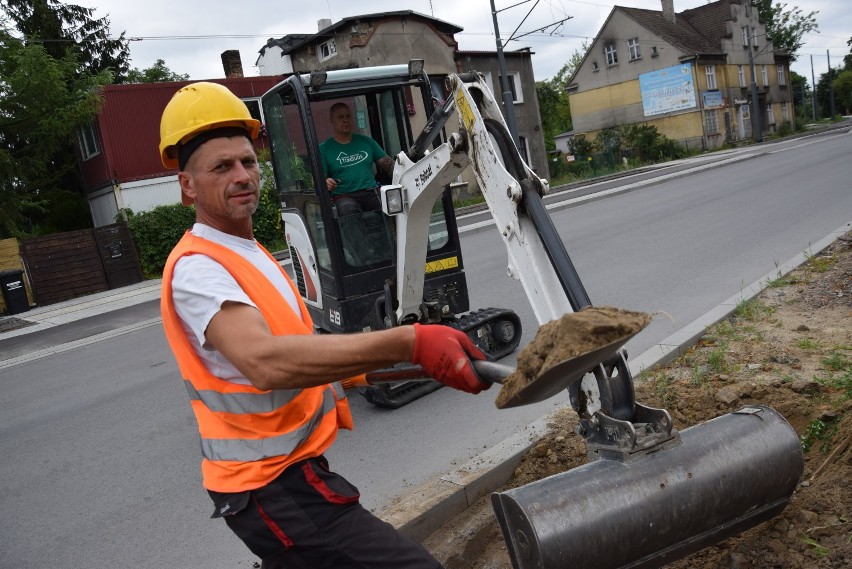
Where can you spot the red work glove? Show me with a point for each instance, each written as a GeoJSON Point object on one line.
{"type": "Point", "coordinates": [445, 354]}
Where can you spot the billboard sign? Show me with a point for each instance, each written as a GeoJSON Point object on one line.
{"type": "Point", "coordinates": [667, 90]}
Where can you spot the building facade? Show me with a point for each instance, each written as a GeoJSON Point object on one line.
{"type": "Point", "coordinates": [397, 37]}
{"type": "Point", "coordinates": [522, 85]}
{"type": "Point", "coordinates": [687, 73]}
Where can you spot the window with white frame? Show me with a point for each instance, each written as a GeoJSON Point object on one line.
{"type": "Point", "coordinates": [514, 86]}
{"type": "Point", "coordinates": [711, 122]}
{"type": "Point", "coordinates": [770, 114]}
{"type": "Point", "coordinates": [610, 53]}
{"type": "Point", "coordinates": [87, 139]}
{"type": "Point", "coordinates": [782, 78]}
{"type": "Point", "coordinates": [633, 49]}
{"type": "Point", "coordinates": [255, 110]}
{"type": "Point", "coordinates": [785, 114]}
{"type": "Point", "coordinates": [327, 50]}
{"type": "Point", "coordinates": [753, 37]}
{"type": "Point", "coordinates": [710, 71]}
{"type": "Point", "coordinates": [741, 75]}
{"type": "Point", "coordinates": [594, 66]}
{"type": "Point", "coordinates": [764, 75]}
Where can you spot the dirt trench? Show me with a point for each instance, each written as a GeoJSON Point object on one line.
{"type": "Point", "coordinates": [789, 348]}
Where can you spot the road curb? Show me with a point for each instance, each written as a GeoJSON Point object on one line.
{"type": "Point", "coordinates": [427, 507]}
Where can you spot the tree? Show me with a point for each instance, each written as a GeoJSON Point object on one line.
{"type": "Point", "coordinates": [157, 73]}
{"type": "Point", "coordinates": [842, 84]}
{"type": "Point", "coordinates": [801, 91]}
{"type": "Point", "coordinates": [67, 28]}
{"type": "Point", "coordinates": [54, 57]}
{"type": "Point", "coordinates": [785, 27]}
{"type": "Point", "coordinates": [552, 98]}
{"type": "Point", "coordinates": [823, 92]}
{"type": "Point", "coordinates": [847, 60]}
{"type": "Point", "coordinates": [44, 100]}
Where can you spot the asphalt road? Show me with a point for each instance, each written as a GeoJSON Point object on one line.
{"type": "Point", "coordinates": [100, 452]}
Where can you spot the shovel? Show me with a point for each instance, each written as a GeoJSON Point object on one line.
{"type": "Point", "coordinates": [545, 385]}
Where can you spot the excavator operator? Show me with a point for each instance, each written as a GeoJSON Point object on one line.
{"type": "Point", "coordinates": [264, 389]}
{"type": "Point", "coordinates": [348, 159]}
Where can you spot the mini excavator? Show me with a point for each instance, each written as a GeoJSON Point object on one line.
{"type": "Point", "coordinates": [650, 494]}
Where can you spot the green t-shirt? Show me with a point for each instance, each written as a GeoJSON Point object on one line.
{"type": "Point", "coordinates": [351, 164]}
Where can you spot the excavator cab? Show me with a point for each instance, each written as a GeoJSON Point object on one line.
{"type": "Point", "coordinates": [345, 265]}
{"type": "Point", "coordinates": [342, 275]}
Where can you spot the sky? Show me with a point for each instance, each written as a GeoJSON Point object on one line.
{"type": "Point", "coordinates": [190, 35]}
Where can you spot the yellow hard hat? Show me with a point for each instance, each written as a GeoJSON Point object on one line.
{"type": "Point", "coordinates": [198, 108]}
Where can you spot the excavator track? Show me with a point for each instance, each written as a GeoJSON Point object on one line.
{"type": "Point", "coordinates": [495, 331]}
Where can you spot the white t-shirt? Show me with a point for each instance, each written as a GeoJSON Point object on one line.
{"type": "Point", "coordinates": [201, 285]}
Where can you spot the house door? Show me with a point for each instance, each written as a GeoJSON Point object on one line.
{"type": "Point", "coordinates": [743, 122]}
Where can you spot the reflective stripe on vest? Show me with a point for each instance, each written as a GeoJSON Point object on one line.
{"type": "Point", "coordinates": [247, 450]}
{"type": "Point", "coordinates": [242, 403]}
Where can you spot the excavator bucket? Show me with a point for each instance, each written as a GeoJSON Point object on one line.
{"type": "Point", "coordinates": [646, 509]}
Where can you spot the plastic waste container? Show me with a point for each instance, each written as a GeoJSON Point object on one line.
{"type": "Point", "coordinates": [14, 293]}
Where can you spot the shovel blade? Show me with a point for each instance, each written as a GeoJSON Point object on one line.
{"type": "Point", "coordinates": [562, 375]}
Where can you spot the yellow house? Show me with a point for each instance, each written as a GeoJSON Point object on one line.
{"type": "Point", "coordinates": [689, 74]}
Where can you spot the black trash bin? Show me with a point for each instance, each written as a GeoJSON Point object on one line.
{"type": "Point", "coordinates": [14, 293]}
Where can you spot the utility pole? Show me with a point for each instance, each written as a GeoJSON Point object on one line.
{"type": "Point", "coordinates": [508, 100]}
{"type": "Point", "coordinates": [756, 125]}
{"type": "Point", "coordinates": [830, 86]}
{"type": "Point", "coordinates": [813, 93]}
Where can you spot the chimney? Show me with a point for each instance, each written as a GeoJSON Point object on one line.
{"type": "Point", "coordinates": [323, 24]}
{"type": "Point", "coordinates": [668, 10]}
{"type": "Point", "coordinates": [232, 63]}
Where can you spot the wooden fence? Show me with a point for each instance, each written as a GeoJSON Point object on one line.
{"type": "Point", "coordinates": [66, 265]}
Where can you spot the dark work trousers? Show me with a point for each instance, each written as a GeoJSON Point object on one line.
{"type": "Point", "coordinates": [357, 202]}
{"type": "Point", "coordinates": [310, 518]}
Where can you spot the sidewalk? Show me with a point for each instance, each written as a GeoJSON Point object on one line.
{"type": "Point", "coordinates": [44, 317]}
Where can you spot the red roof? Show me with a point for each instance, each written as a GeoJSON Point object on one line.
{"type": "Point", "coordinates": [129, 128]}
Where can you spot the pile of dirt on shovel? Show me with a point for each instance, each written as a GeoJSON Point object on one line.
{"type": "Point", "coordinates": [568, 337]}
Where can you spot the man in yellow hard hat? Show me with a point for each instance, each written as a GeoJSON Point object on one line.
{"type": "Point", "coordinates": [263, 388]}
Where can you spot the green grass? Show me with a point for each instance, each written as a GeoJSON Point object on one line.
{"type": "Point", "coordinates": [662, 384]}
{"type": "Point", "coordinates": [839, 369]}
{"type": "Point", "coordinates": [726, 329]}
{"type": "Point", "coordinates": [818, 550]}
{"type": "Point", "coordinates": [820, 264]}
{"type": "Point", "coordinates": [818, 432]}
{"type": "Point", "coordinates": [697, 375]}
{"type": "Point", "coordinates": [716, 360]}
{"type": "Point", "coordinates": [808, 344]}
{"type": "Point", "coordinates": [752, 309]}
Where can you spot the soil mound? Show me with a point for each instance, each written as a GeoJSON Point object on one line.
{"type": "Point", "coordinates": [567, 338]}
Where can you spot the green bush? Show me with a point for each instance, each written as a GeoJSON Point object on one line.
{"type": "Point", "coordinates": [609, 140]}
{"type": "Point", "coordinates": [267, 224]}
{"type": "Point", "coordinates": [156, 232]}
{"type": "Point", "coordinates": [580, 146]}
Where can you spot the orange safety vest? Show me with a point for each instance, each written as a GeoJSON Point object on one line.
{"type": "Point", "coordinates": [249, 436]}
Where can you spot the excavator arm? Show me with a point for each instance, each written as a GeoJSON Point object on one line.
{"type": "Point", "coordinates": [536, 254]}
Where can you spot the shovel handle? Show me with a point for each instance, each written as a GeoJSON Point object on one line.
{"type": "Point", "coordinates": [492, 372]}
{"type": "Point", "coordinates": [488, 372]}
